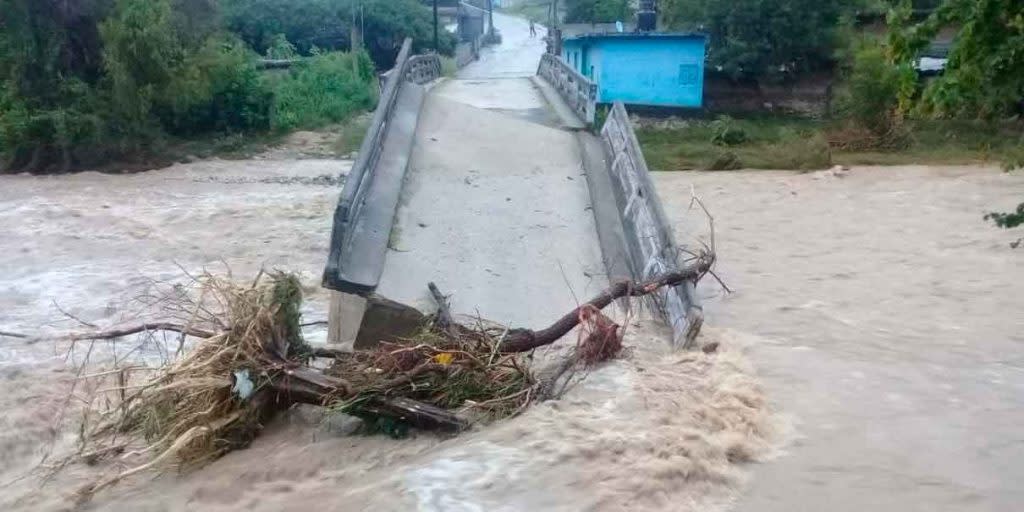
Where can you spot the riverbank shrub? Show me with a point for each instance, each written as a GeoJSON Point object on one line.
{"type": "Point", "coordinates": [327, 88]}
{"type": "Point", "coordinates": [85, 83]}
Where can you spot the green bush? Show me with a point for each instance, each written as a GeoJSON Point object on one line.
{"type": "Point", "coordinates": [281, 48]}
{"type": "Point", "coordinates": [324, 89]}
{"type": "Point", "coordinates": [141, 54]}
{"type": "Point", "coordinates": [162, 80]}
{"type": "Point", "coordinates": [873, 87]}
{"type": "Point", "coordinates": [725, 132]}
{"type": "Point", "coordinates": [983, 77]}
{"type": "Point", "coordinates": [83, 83]}
{"type": "Point", "coordinates": [217, 89]}
{"type": "Point", "coordinates": [33, 137]}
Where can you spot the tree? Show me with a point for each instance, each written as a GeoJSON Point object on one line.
{"type": "Point", "coordinates": [326, 25]}
{"type": "Point", "coordinates": [142, 52]}
{"type": "Point", "coordinates": [597, 11]}
{"type": "Point", "coordinates": [83, 82]}
{"type": "Point", "coordinates": [770, 39]}
{"type": "Point", "coordinates": [984, 74]}
{"type": "Point", "coordinates": [872, 91]}
{"type": "Point", "coordinates": [307, 24]}
{"type": "Point", "coordinates": [50, 57]}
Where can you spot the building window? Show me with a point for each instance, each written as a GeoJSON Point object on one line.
{"type": "Point", "coordinates": [687, 74]}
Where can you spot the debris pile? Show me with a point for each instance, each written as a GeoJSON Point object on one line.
{"type": "Point", "coordinates": [247, 361]}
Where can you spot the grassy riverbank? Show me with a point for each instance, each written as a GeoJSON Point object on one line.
{"type": "Point", "coordinates": [803, 144]}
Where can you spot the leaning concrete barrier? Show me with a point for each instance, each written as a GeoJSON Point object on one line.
{"type": "Point", "coordinates": [577, 90]}
{"type": "Point", "coordinates": [650, 245]}
{"type": "Point", "coordinates": [366, 210]}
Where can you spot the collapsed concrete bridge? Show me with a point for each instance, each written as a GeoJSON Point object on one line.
{"type": "Point", "coordinates": [491, 185]}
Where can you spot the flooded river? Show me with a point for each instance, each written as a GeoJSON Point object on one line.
{"type": "Point", "coordinates": [890, 320]}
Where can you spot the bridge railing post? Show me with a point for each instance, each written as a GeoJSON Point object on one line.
{"type": "Point", "coordinates": [578, 91]}
{"type": "Point", "coordinates": [650, 243]}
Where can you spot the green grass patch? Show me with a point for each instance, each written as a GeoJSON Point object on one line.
{"type": "Point", "coordinates": [802, 144]}
{"type": "Point", "coordinates": [948, 142]}
{"type": "Point", "coordinates": [766, 144]}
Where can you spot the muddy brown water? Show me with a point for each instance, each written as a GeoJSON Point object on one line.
{"type": "Point", "coordinates": [892, 326]}
{"type": "Point", "coordinates": [655, 431]}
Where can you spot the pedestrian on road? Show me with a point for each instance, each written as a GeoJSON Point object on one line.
{"type": "Point", "coordinates": [533, 30]}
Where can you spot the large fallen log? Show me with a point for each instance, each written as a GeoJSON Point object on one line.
{"type": "Point", "coordinates": [524, 340]}
{"type": "Point", "coordinates": [308, 386]}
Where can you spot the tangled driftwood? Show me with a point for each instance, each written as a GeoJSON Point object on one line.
{"type": "Point", "coordinates": [248, 361]}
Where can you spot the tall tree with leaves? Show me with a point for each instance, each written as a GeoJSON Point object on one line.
{"type": "Point", "coordinates": [984, 74]}
{"type": "Point", "coordinates": [50, 57]}
{"type": "Point", "coordinates": [597, 11]}
{"type": "Point", "coordinates": [761, 39]}
{"type": "Point", "coordinates": [326, 24]}
{"type": "Point", "coordinates": [141, 54]}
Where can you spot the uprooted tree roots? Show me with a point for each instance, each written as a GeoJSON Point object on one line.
{"type": "Point", "coordinates": [250, 362]}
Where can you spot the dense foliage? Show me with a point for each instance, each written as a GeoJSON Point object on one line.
{"type": "Point", "coordinates": [984, 75]}
{"type": "Point", "coordinates": [86, 81]}
{"type": "Point", "coordinates": [764, 39]}
{"type": "Point", "coordinates": [49, 61]}
{"type": "Point", "coordinates": [597, 11]}
{"type": "Point", "coordinates": [869, 98]}
{"type": "Point", "coordinates": [324, 89]}
{"type": "Point", "coordinates": [312, 25]}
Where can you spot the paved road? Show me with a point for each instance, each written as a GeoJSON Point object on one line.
{"type": "Point", "coordinates": [516, 56]}
{"type": "Point", "coordinates": [495, 208]}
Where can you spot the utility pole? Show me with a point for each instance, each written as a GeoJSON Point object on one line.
{"type": "Point", "coordinates": [355, 43]}
{"type": "Point", "coordinates": [555, 33]}
{"type": "Point", "coordinates": [490, 15]}
{"type": "Point", "coordinates": [436, 44]}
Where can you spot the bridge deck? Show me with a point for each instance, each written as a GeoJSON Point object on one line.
{"type": "Point", "coordinates": [495, 208]}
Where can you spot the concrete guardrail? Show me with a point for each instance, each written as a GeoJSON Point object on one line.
{"type": "Point", "coordinates": [366, 210]}
{"type": "Point", "coordinates": [650, 245]}
{"type": "Point", "coordinates": [578, 91]}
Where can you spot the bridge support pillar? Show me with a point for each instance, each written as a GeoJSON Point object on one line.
{"type": "Point", "coordinates": [344, 318]}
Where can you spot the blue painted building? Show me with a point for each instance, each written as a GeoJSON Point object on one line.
{"type": "Point", "coordinates": [657, 69]}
